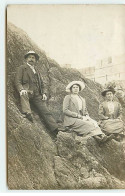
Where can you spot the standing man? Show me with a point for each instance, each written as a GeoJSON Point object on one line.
{"type": "Point", "coordinates": [31, 89]}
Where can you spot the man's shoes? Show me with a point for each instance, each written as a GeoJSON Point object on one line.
{"type": "Point", "coordinates": [29, 117]}
{"type": "Point", "coordinates": [59, 129]}
{"type": "Point", "coordinates": [55, 132]}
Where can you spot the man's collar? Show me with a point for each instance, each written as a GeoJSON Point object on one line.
{"type": "Point", "coordinates": [30, 65]}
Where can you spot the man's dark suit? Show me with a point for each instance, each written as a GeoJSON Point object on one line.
{"type": "Point", "coordinates": [26, 80]}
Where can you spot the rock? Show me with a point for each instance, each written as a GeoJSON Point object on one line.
{"type": "Point", "coordinates": [35, 160]}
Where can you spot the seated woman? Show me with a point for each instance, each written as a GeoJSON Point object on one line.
{"type": "Point", "coordinates": [110, 113]}
{"type": "Point", "coordinates": [76, 115]}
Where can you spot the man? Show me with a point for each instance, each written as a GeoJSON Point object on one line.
{"type": "Point", "coordinates": [31, 89]}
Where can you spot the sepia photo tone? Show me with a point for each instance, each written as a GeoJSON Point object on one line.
{"type": "Point", "coordinates": [65, 70]}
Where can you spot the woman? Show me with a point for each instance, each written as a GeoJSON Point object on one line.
{"type": "Point", "coordinates": [110, 113]}
{"type": "Point", "coordinates": [76, 115]}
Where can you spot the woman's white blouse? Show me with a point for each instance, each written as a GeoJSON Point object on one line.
{"type": "Point", "coordinates": [111, 107]}
{"type": "Point", "coordinates": [79, 100]}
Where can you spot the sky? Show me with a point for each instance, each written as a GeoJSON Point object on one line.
{"type": "Point", "coordinates": [79, 35]}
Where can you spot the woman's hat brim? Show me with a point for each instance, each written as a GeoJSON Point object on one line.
{"type": "Point", "coordinates": [107, 90]}
{"type": "Point", "coordinates": [81, 84]}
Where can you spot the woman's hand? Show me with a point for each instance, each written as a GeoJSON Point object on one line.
{"type": "Point", "coordinates": [118, 118]}
{"type": "Point", "coordinates": [106, 117]}
{"type": "Point", "coordinates": [87, 117]}
{"type": "Point", "coordinates": [79, 116]}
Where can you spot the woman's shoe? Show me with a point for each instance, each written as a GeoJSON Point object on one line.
{"type": "Point", "coordinates": [118, 138]}
{"type": "Point", "coordinates": [97, 138]}
{"type": "Point", "coordinates": [103, 138]}
{"type": "Point", "coordinates": [110, 137]}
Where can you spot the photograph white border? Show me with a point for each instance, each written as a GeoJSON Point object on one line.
{"type": "Point", "coordinates": [3, 4]}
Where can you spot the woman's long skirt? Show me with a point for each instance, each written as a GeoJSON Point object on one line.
{"type": "Point", "coordinates": [112, 126]}
{"type": "Point", "coordinates": [85, 127]}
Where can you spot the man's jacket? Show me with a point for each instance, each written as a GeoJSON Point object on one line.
{"type": "Point", "coordinates": [24, 79]}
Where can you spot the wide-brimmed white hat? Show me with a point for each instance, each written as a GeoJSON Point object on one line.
{"type": "Point", "coordinates": [32, 52]}
{"type": "Point", "coordinates": [81, 84]}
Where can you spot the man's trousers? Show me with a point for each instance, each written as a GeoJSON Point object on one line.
{"type": "Point", "coordinates": [42, 109]}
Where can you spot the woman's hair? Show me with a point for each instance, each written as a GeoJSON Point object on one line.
{"type": "Point", "coordinates": [77, 85]}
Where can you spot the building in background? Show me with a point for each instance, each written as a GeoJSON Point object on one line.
{"type": "Point", "coordinates": [108, 69]}
{"type": "Point", "coordinates": [88, 72]}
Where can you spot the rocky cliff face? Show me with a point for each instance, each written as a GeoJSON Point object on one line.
{"type": "Point", "coordinates": [35, 159]}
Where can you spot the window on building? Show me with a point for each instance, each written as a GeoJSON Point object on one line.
{"type": "Point", "coordinates": [110, 59]}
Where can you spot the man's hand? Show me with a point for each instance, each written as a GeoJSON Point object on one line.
{"type": "Point", "coordinates": [44, 97]}
{"type": "Point", "coordinates": [23, 92]}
